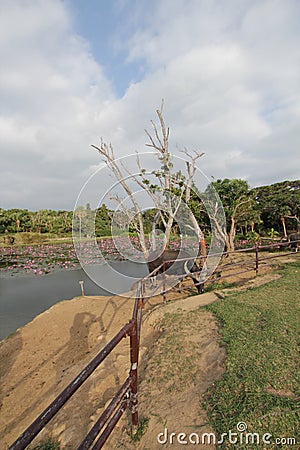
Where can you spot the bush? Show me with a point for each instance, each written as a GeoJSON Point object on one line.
{"type": "Point", "coordinates": [252, 237]}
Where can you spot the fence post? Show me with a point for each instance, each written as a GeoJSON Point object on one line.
{"type": "Point", "coordinates": [164, 282]}
{"type": "Point", "coordinates": [134, 355]}
{"type": "Point", "coordinates": [256, 258]}
{"type": "Point", "coordinates": [82, 288]}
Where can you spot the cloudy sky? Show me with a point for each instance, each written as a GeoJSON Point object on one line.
{"type": "Point", "coordinates": [73, 71]}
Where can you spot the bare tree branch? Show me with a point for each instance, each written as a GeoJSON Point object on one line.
{"type": "Point", "coordinates": [191, 170]}
{"type": "Point", "coordinates": [169, 186]}
{"type": "Point", "coordinates": [108, 153]}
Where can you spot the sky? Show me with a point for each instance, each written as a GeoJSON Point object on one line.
{"type": "Point", "coordinates": [75, 71]}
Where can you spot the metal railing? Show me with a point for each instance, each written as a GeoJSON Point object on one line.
{"type": "Point", "coordinates": [126, 397]}
{"type": "Point", "coordinates": [250, 265]}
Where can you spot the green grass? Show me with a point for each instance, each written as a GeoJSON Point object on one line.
{"type": "Point", "coordinates": [173, 346]}
{"type": "Point", "coordinates": [209, 287]}
{"type": "Point", "coordinates": [260, 330]}
{"type": "Point", "coordinates": [30, 238]}
{"type": "Point", "coordinates": [140, 431]}
{"type": "Point", "coordinates": [50, 444]}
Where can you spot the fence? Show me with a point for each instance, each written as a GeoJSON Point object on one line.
{"type": "Point", "coordinates": [126, 397]}
{"type": "Point", "coordinates": [210, 276]}
{"type": "Point", "coordinates": [250, 265]}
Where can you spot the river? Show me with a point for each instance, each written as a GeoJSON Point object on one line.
{"type": "Point", "coordinates": [24, 297]}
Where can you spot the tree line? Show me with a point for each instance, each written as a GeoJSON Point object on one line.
{"type": "Point", "coordinates": [266, 210]}
{"type": "Point", "coordinates": [58, 223]}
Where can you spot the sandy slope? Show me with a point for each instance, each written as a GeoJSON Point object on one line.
{"type": "Point", "coordinates": [39, 360]}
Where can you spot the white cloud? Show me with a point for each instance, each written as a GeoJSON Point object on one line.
{"type": "Point", "coordinates": [230, 75]}
{"type": "Point", "coordinates": [228, 71]}
{"type": "Point", "coordinates": [50, 91]}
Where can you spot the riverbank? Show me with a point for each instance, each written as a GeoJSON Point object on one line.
{"type": "Point", "coordinates": [39, 360]}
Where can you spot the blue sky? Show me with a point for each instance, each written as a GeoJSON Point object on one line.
{"type": "Point", "coordinates": [106, 25]}
{"type": "Point", "coordinates": [73, 71]}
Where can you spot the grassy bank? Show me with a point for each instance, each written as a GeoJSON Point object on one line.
{"type": "Point", "coordinates": [33, 239]}
{"type": "Point", "coordinates": [260, 331]}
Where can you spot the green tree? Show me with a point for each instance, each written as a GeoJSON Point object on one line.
{"type": "Point", "coordinates": [238, 205]}
{"type": "Point", "coordinates": [279, 205]}
{"type": "Point", "coordinates": [103, 221]}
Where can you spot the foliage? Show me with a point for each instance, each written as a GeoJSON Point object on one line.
{"type": "Point", "coordinates": [270, 207]}
{"type": "Point", "coordinates": [239, 207]}
{"type": "Point", "coordinates": [277, 203]}
{"type": "Point", "coordinates": [56, 223]}
{"type": "Point", "coordinates": [260, 329]}
{"type": "Point", "coordinates": [273, 234]}
{"type": "Point", "coordinates": [252, 237]}
{"type": "Point", "coordinates": [141, 430]}
{"type": "Point", "coordinates": [42, 221]}
{"type": "Point", "coordinates": [50, 444]}
{"type": "Point", "coordinates": [103, 221]}
{"type": "Point", "coordinates": [237, 200]}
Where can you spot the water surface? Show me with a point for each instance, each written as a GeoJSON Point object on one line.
{"type": "Point", "coordinates": [24, 297]}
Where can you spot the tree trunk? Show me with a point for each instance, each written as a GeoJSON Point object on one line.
{"type": "Point", "coordinates": [284, 227]}
{"type": "Point", "coordinates": [168, 232]}
{"type": "Point", "coordinates": [153, 234]}
{"type": "Point", "coordinates": [229, 245]}
{"type": "Point", "coordinates": [230, 237]}
{"type": "Point", "coordinates": [141, 235]}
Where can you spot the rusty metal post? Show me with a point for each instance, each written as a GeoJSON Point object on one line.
{"type": "Point", "coordinates": [164, 282]}
{"type": "Point", "coordinates": [139, 311]}
{"type": "Point", "coordinates": [256, 258]}
{"type": "Point", "coordinates": [134, 355]}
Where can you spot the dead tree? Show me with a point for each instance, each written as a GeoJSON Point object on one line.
{"type": "Point", "coordinates": [162, 192]}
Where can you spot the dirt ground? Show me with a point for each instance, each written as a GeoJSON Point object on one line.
{"type": "Point", "coordinates": [40, 359]}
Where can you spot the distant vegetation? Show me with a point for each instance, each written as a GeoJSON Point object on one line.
{"type": "Point", "coordinates": [36, 226]}
{"type": "Point", "coordinates": [271, 211]}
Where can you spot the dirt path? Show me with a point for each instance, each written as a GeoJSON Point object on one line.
{"type": "Point", "coordinates": [39, 360]}
{"type": "Point", "coordinates": [180, 365]}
